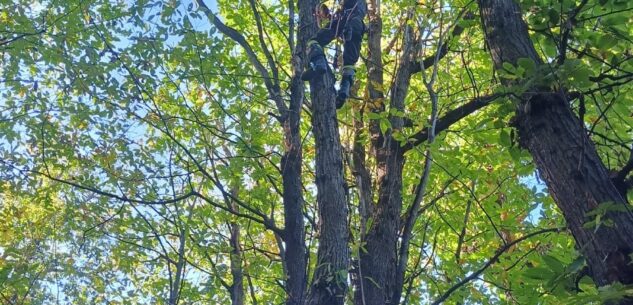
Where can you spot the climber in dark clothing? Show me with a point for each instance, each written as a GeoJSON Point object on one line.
{"type": "Point", "coordinates": [347, 24]}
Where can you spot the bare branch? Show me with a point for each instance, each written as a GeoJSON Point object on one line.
{"type": "Point", "coordinates": [489, 263]}
{"type": "Point", "coordinates": [442, 51]}
{"type": "Point", "coordinates": [262, 42]}
{"type": "Point", "coordinates": [273, 89]}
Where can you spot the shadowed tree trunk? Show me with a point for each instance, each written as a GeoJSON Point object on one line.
{"type": "Point", "coordinates": [378, 254]}
{"type": "Point", "coordinates": [293, 252]}
{"type": "Point", "coordinates": [294, 232]}
{"type": "Point", "coordinates": [382, 278]}
{"type": "Point", "coordinates": [564, 154]}
{"type": "Point", "coordinates": [329, 282]}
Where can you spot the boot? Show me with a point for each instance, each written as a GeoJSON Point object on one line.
{"type": "Point", "coordinates": [347, 80]}
{"type": "Point", "coordinates": [318, 64]}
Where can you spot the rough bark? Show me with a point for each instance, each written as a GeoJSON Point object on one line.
{"type": "Point", "coordinates": [379, 262]}
{"type": "Point", "coordinates": [294, 231]}
{"type": "Point", "coordinates": [378, 255]}
{"type": "Point", "coordinates": [564, 154]}
{"type": "Point", "coordinates": [329, 282]}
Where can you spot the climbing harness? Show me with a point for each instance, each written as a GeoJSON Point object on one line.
{"type": "Point", "coordinates": [346, 27]}
{"type": "Point", "coordinates": [325, 18]}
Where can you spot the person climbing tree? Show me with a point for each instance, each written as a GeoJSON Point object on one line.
{"type": "Point", "coordinates": [346, 23]}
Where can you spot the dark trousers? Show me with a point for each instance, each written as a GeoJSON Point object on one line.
{"type": "Point", "coordinates": [336, 28]}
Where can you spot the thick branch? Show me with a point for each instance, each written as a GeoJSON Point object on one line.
{"type": "Point", "coordinates": [451, 118]}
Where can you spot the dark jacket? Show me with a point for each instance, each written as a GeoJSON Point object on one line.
{"type": "Point", "coordinates": [357, 8]}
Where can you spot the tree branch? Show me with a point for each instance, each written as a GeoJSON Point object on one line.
{"type": "Point", "coordinates": [430, 60]}
{"type": "Point", "coordinates": [122, 198]}
{"type": "Point", "coordinates": [619, 177]}
{"type": "Point", "coordinates": [451, 118]}
{"type": "Point", "coordinates": [568, 27]}
{"type": "Point", "coordinates": [262, 42]}
{"type": "Point", "coordinates": [273, 90]}
{"type": "Point", "coordinates": [489, 263]}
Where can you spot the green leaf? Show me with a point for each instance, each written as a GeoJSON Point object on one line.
{"type": "Point", "coordinates": [509, 67]}
{"type": "Point", "coordinates": [606, 42]}
{"type": "Point", "coordinates": [374, 116]}
{"type": "Point", "coordinates": [555, 265]}
{"type": "Point", "coordinates": [385, 125]}
{"type": "Point", "coordinates": [504, 138]}
{"type": "Point", "coordinates": [515, 153]}
{"type": "Point", "coordinates": [554, 16]}
{"type": "Point", "coordinates": [538, 273]}
{"type": "Point", "coordinates": [528, 65]}
{"type": "Point", "coordinates": [615, 19]}
{"type": "Point", "coordinates": [549, 48]}
{"type": "Point", "coordinates": [576, 265]}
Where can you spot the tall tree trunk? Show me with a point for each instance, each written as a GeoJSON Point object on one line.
{"type": "Point", "coordinates": [329, 282]}
{"type": "Point", "coordinates": [398, 95]}
{"type": "Point", "coordinates": [294, 231]}
{"type": "Point", "coordinates": [378, 253]}
{"type": "Point", "coordinates": [564, 154]}
{"type": "Point", "coordinates": [379, 257]}
{"type": "Point", "coordinates": [383, 260]}
{"type": "Point", "coordinates": [365, 198]}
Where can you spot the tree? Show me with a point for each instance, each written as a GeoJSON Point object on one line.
{"type": "Point", "coordinates": [563, 153]}
{"type": "Point", "coordinates": [181, 159]}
